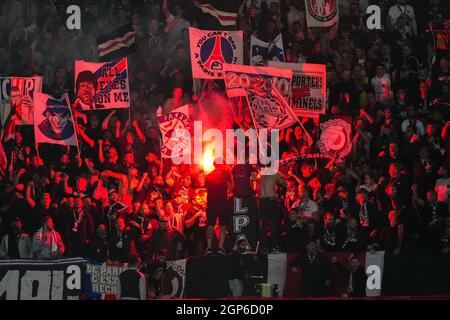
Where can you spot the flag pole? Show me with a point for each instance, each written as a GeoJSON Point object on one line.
{"type": "Point", "coordinates": [292, 114]}
{"type": "Point", "coordinates": [66, 98]}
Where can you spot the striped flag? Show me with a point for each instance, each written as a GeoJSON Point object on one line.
{"type": "Point", "coordinates": [217, 13]}
{"type": "Point", "coordinates": [117, 44]}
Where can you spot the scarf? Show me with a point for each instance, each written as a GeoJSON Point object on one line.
{"type": "Point", "coordinates": [53, 239]}
{"type": "Point", "coordinates": [363, 216]}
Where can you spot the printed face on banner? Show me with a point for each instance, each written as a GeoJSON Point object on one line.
{"type": "Point", "coordinates": [53, 121]}
{"type": "Point", "coordinates": [102, 85]}
{"type": "Point", "coordinates": [211, 49]}
{"type": "Point", "coordinates": [17, 94]}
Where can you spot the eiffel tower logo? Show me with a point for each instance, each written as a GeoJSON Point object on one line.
{"type": "Point", "coordinates": [216, 60]}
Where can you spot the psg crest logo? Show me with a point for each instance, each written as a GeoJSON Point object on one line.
{"type": "Point", "coordinates": [214, 49]}
{"type": "Point", "coordinates": [322, 10]}
{"type": "Point", "coordinates": [335, 138]}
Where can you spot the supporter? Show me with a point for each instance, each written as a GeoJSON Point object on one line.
{"type": "Point", "coordinates": [98, 249]}
{"type": "Point", "coordinates": [121, 243]}
{"type": "Point", "coordinates": [316, 271]}
{"type": "Point", "coordinates": [218, 186]}
{"type": "Point", "coordinates": [47, 242]}
{"type": "Point", "coordinates": [165, 237]}
{"type": "Point", "coordinates": [357, 278]}
{"type": "Point", "coordinates": [132, 284]}
{"type": "Point", "coordinates": [16, 244]}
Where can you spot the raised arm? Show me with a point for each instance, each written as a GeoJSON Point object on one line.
{"type": "Point", "coordinates": [139, 132]}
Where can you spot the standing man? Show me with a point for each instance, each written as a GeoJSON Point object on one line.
{"type": "Point", "coordinates": [15, 244]}
{"type": "Point", "coordinates": [316, 271]}
{"type": "Point", "coordinates": [269, 210]}
{"type": "Point", "coordinates": [218, 185]}
{"type": "Point", "coordinates": [131, 284]}
{"type": "Point", "coordinates": [47, 242]}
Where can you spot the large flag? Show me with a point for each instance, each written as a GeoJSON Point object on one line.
{"type": "Point", "coordinates": [102, 85]}
{"type": "Point", "coordinates": [309, 88]}
{"type": "Point", "coordinates": [269, 110]}
{"type": "Point", "coordinates": [53, 120]}
{"type": "Point", "coordinates": [440, 31]}
{"type": "Point", "coordinates": [174, 127]}
{"type": "Point", "coordinates": [116, 44]}
{"type": "Point", "coordinates": [262, 52]}
{"type": "Point", "coordinates": [217, 14]}
{"type": "Point", "coordinates": [210, 50]}
{"type": "Point", "coordinates": [42, 279]}
{"type": "Point", "coordinates": [321, 13]}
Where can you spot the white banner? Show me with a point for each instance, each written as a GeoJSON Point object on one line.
{"type": "Point", "coordinates": [210, 50]}
{"type": "Point", "coordinates": [308, 87]}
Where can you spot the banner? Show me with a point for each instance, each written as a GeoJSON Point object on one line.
{"type": "Point", "coordinates": [174, 281]}
{"type": "Point", "coordinates": [210, 50]}
{"type": "Point", "coordinates": [335, 138]}
{"type": "Point", "coordinates": [116, 44]}
{"type": "Point", "coordinates": [102, 85]}
{"type": "Point", "coordinates": [17, 93]}
{"type": "Point", "coordinates": [261, 52]}
{"type": "Point", "coordinates": [41, 279]}
{"type": "Point", "coordinates": [175, 136]}
{"type": "Point", "coordinates": [321, 13]}
{"type": "Point", "coordinates": [53, 120]}
{"type": "Point", "coordinates": [440, 31]}
{"type": "Point", "coordinates": [244, 223]}
{"type": "Point", "coordinates": [256, 83]}
{"type": "Point", "coordinates": [308, 87]}
{"type": "Point", "coordinates": [102, 280]}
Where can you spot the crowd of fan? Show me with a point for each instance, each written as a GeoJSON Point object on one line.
{"type": "Point", "coordinates": [119, 198]}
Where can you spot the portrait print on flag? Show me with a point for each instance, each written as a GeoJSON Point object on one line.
{"type": "Point", "coordinates": [321, 13]}
{"type": "Point", "coordinates": [308, 87]}
{"type": "Point", "coordinates": [53, 120]}
{"type": "Point", "coordinates": [17, 94]}
{"type": "Point", "coordinates": [211, 49]}
{"type": "Point", "coordinates": [267, 90]}
{"type": "Point", "coordinates": [101, 85]}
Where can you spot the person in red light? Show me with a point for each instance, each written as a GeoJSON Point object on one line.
{"type": "Point", "coordinates": [218, 185]}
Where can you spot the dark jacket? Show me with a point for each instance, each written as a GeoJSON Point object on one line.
{"type": "Point", "coordinates": [358, 280]}
{"type": "Point", "coordinates": [316, 271]}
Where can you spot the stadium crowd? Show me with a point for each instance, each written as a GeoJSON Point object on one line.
{"type": "Point", "coordinates": [119, 198]}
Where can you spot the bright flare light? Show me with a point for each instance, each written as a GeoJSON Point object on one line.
{"type": "Point", "coordinates": [208, 159]}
